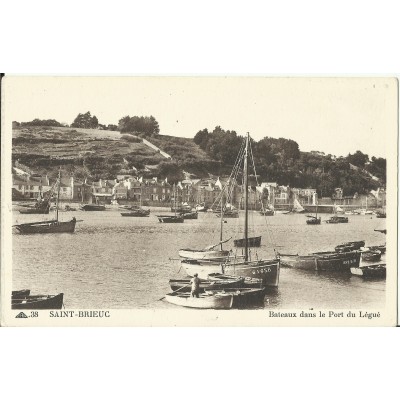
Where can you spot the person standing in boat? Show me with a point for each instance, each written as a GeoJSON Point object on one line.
{"type": "Point", "coordinates": [195, 282]}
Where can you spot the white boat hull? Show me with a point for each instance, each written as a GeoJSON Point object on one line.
{"type": "Point", "coordinates": [218, 255]}
{"type": "Point", "coordinates": [218, 301]}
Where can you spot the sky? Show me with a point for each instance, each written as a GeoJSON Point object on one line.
{"type": "Point", "coordinates": [334, 115]}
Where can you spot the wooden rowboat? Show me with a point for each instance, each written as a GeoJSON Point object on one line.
{"type": "Point", "coordinates": [216, 255]}
{"type": "Point", "coordinates": [38, 302]}
{"type": "Point", "coordinates": [219, 301]}
{"type": "Point", "coordinates": [242, 297]}
{"type": "Point", "coordinates": [370, 271]}
{"type": "Point", "coordinates": [170, 219]}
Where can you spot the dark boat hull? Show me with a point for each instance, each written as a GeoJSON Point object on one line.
{"type": "Point", "coordinates": [166, 219]}
{"type": "Point", "coordinates": [370, 271]}
{"type": "Point", "coordinates": [34, 211]}
{"type": "Point", "coordinates": [38, 302]}
{"type": "Point", "coordinates": [17, 294]}
{"type": "Point", "coordinates": [251, 242]}
{"type": "Point", "coordinates": [134, 214]}
{"type": "Point", "coordinates": [93, 207]}
{"type": "Point", "coordinates": [314, 221]}
{"type": "Point", "coordinates": [337, 220]}
{"type": "Point", "coordinates": [350, 246]}
{"type": "Point", "coordinates": [371, 256]}
{"type": "Point", "coordinates": [192, 215]}
{"type": "Point", "coordinates": [47, 227]}
{"type": "Point", "coordinates": [328, 261]}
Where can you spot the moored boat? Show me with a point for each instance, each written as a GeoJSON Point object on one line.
{"type": "Point", "coordinates": [93, 207]}
{"type": "Point", "coordinates": [371, 255]}
{"type": "Point", "coordinates": [267, 212]}
{"type": "Point", "coordinates": [242, 297]}
{"type": "Point", "coordinates": [381, 248]}
{"type": "Point", "coordinates": [205, 255]}
{"type": "Point", "coordinates": [170, 219]}
{"type": "Point", "coordinates": [265, 270]}
{"type": "Point", "coordinates": [184, 285]}
{"type": "Point", "coordinates": [40, 302]}
{"type": "Point", "coordinates": [49, 226]}
{"type": "Point", "coordinates": [337, 220]}
{"type": "Point", "coordinates": [251, 242]}
{"type": "Point", "coordinates": [16, 294]}
{"type": "Point", "coordinates": [136, 213]}
{"type": "Point", "coordinates": [370, 271]}
{"type": "Point", "coordinates": [313, 220]}
{"type": "Point", "coordinates": [41, 207]}
{"type": "Point", "coordinates": [218, 301]}
{"type": "Point", "coordinates": [350, 246]}
{"type": "Point", "coordinates": [52, 226]}
{"type": "Point", "coordinates": [323, 261]}
{"type": "Point", "coordinates": [189, 215]}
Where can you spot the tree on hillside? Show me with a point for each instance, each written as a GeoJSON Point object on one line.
{"type": "Point", "coordinates": [86, 121]}
{"type": "Point", "coordinates": [140, 125]}
{"type": "Point", "coordinates": [358, 159]}
{"type": "Point", "coordinates": [201, 138]}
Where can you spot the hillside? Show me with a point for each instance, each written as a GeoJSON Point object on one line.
{"type": "Point", "coordinates": [97, 153]}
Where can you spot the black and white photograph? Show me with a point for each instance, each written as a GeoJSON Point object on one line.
{"type": "Point", "coordinates": [201, 200]}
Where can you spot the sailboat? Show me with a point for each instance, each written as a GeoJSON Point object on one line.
{"type": "Point", "coordinates": [314, 220]}
{"type": "Point", "coordinates": [136, 211]}
{"type": "Point", "coordinates": [51, 226]}
{"type": "Point", "coordinates": [171, 219]}
{"type": "Point", "coordinates": [297, 207]}
{"type": "Point", "coordinates": [266, 270]}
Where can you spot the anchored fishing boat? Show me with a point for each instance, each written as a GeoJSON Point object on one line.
{"type": "Point", "coordinates": [242, 297]}
{"type": "Point", "coordinates": [189, 215]}
{"type": "Point", "coordinates": [183, 285]}
{"type": "Point", "coordinates": [93, 207]}
{"type": "Point", "coordinates": [323, 261]}
{"type": "Point", "coordinates": [337, 220]}
{"type": "Point", "coordinates": [41, 207]}
{"type": "Point", "coordinates": [49, 226]}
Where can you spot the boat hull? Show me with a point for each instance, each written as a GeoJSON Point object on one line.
{"type": "Point", "coordinates": [370, 271]}
{"type": "Point", "coordinates": [184, 285]}
{"type": "Point", "coordinates": [329, 261]}
{"type": "Point", "coordinates": [134, 214]}
{"type": "Point", "coordinates": [204, 301]}
{"type": "Point", "coordinates": [242, 297]}
{"type": "Point", "coordinates": [38, 302]}
{"type": "Point", "coordinates": [251, 242]}
{"type": "Point", "coordinates": [371, 256]}
{"type": "Point", "coordinates": [47, 227]}
{"type": "Point", "coordinates": [168, 219]}
{"type": "Point", "coordinates": [191, 215]}
{"type": "Point", "coordinates": [93, 207]}
{"type": "Point", "coordinates": [34, 211]}
{"type": "Point", "coordinates": [350, 246]}
{"type": "Point", "coordinates": [268, 271]}
{"type": "Point", "coordinates": [206, 255]}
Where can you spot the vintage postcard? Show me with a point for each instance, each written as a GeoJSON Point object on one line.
{"type": "Point", "coordinates": [199, 201]}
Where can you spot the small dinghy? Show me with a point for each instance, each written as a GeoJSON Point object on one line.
{"type": "Point", "coordinates": [370, 271]}
{"type": "Point", "coordinates": [218, 301]}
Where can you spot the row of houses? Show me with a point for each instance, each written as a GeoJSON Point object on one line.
{"type": "Point", "coordinates": [126, 188]}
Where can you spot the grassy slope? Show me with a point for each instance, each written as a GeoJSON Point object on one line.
{"type": "Point", "coordinates": [94, 152]}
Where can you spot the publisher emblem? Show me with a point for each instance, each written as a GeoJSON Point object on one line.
{"type": "Point", "coordinates": [21, 315]}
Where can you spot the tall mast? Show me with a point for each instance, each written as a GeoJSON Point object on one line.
{"type": "Point", "coordinates": [222, 217]}
{"type": "Point", "coordinates": [246, 200]}
{"type": "Point", "coordinates": [58, 192]}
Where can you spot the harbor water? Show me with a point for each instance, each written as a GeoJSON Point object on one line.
{"type": "Point", "coordinates": [114, 262]}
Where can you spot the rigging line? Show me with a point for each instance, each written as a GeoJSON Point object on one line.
{"type": "Point", "coordinates": [269, 231]}
{"type": "Point", "coordinates": [236, 165]}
